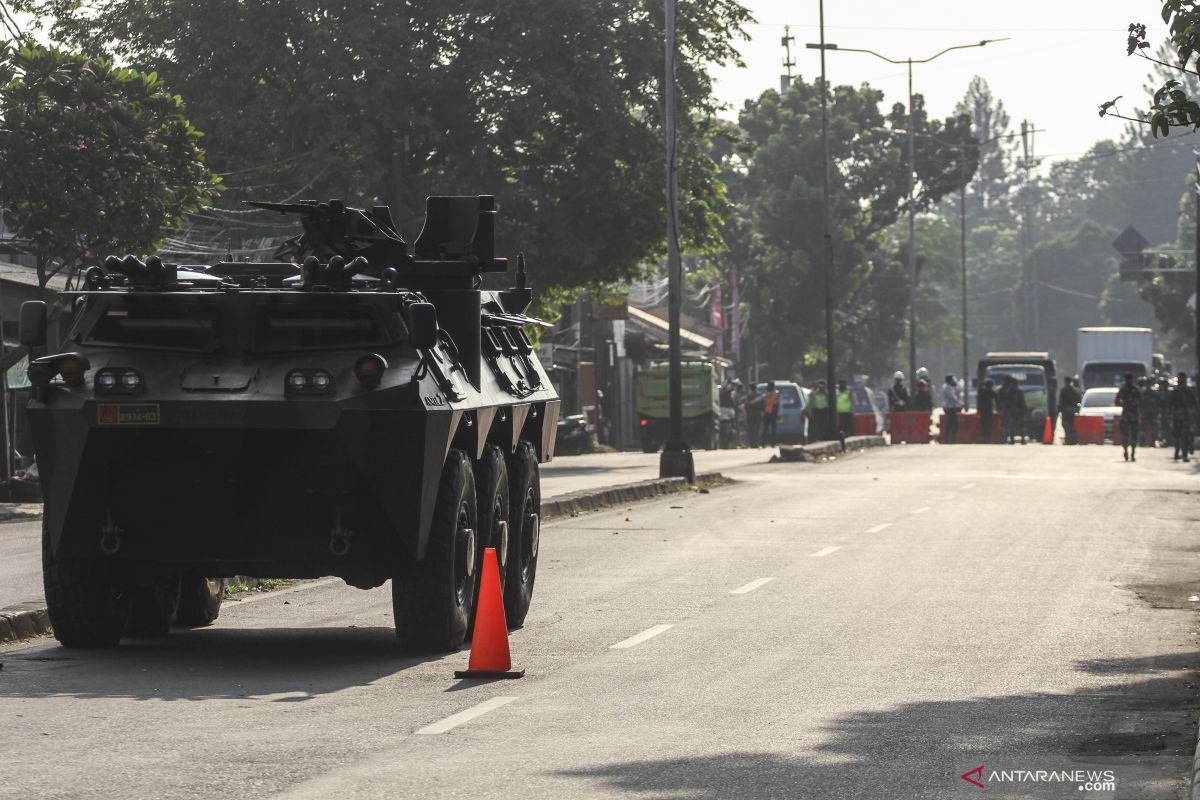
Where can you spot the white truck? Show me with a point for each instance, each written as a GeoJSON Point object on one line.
{"type": "Point", "coordinates": [1106, 354]}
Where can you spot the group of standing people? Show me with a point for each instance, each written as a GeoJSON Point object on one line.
{"type": "Point", "coordinates": [922, 399]}
{"type": "Point", "coordinates": [1154, 412]}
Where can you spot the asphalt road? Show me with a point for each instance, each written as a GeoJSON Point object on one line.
{"type": "Point", "coordinates": [872, 627]}
{"type": "Point", "coordinates": [20, 542]}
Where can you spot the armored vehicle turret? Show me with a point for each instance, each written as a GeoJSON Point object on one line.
{"type": "Point", "coordinates": [354, 408]}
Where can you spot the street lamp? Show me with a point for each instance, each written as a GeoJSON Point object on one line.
{"type": "Point", "coordinates": [676, 459]}
{"type": "Point", "coordinates": [912, 174]}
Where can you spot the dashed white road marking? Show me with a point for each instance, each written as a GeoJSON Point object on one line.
{"type": "Point", "coordinates": [879, 528]}
{"type": "Point", "coordinates": [453, 721]}
{"type": "Point", "coordinates": [825, 552]}
{"type": "Point", "coordinates": [634, 641]}
{"type": "Point", "coordinates": [751, 586]}
{"type": "Point", "coordinates": [921, 510]}
{"type": "Point", "coordinates": [969, 487]}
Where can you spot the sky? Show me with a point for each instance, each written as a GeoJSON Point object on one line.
{"type": "Point", "coordinates": [1062, 60]}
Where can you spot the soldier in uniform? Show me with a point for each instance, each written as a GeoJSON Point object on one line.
{"type": "Point", "coordinates": [1013, 410]}
{"type": "Point", "coordinates": [1129, 400]}
{"type": "Point", "coordinates": [1068, 405]}
{"type": "Point", "coordinates": [1150, 413]}
{"type": "Point", "coordinates": [1162, 425]}
{"type": "Point", "coordinates": [986, 403]}
{"type": "Point", "coordinates": [1181, 405]}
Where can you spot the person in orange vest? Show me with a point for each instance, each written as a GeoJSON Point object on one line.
{"type": "Point", "coordinates": [770, 415]}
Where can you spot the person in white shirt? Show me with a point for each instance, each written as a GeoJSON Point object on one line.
{"type": "Point", "coordinates": [951, 405]}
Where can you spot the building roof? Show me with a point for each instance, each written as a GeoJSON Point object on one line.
{"type": "Point", "coordinates": [658, 324]}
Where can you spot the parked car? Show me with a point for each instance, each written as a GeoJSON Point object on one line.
{"type": "Point", "coordinates": [792, 426]}
{"type": "Point", "coordinates": [1101, 402]}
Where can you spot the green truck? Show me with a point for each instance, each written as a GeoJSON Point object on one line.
{"type": "Point", "coordinates": [701, 405]}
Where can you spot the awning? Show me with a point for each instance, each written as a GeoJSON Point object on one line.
{"type": "Point", "coordinates": [660, 324]}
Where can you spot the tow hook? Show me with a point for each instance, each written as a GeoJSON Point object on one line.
{"type": "Point", "coordinates": [110, 535]}
{"type": "Point", "coordinates": [339, 539]}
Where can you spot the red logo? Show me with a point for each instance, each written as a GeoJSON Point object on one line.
{"type": "Point", "coordinates": [108, 414]}
{"type": "Point", "coordinates": [978, 773]}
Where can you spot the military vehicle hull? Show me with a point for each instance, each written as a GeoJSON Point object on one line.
{"type": "Point", "coordinates": [366, 414]}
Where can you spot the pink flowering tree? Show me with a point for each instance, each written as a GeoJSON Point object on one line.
{"type": "Point", "coordinates": [94, 159]}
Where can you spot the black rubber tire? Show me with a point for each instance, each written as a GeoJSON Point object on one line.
{"type": "Point", "coordinates": [199, 600]}
{"type": "Point", "coordinates": [154, 607]}
{"type": "Point", "coordinates": [433, 600]}
{"type": "Point", "coordinates": [525, 489]}
{"type": "Point", "coordinates": [88, 600]}
{"type": "Point", "coordinates": [492, 500]}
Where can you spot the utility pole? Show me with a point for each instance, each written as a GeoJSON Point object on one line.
{"type": "Point", "coordinates": [676, 459]}
{"type": "Point", "coordinates": [827, 241]}
{"type": "Point", "coordinates": [962, 245]}
{"type": "Point", "coordinates": [1027, 163]}
{"type": "Point", "coordinates": [736, 319]}
{"type": "Point", "coordinates": [1196, 310]}
{"type": "Point", "coordinates": [912, 232]}
{"type": "Point", "coordinates": [785, 81]}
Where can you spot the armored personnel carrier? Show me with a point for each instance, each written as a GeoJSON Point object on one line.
{"type": "Point", "coordinates": [351, 409]}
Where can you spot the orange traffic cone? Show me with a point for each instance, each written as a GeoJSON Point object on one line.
{"type": "Point", "coordinates": [489, 645]}
{"type": "Point", "coordinates": [1048, 433]}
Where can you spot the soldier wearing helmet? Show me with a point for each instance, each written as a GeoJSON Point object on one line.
{"type": "Point", "coordinates": [897, 393]}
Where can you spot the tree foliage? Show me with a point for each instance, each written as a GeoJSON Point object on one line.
{"type": "Point", "coordinates": [1174, 99]}
{"type": "Point", "coordinates": [775, 176]}
{"type": "Point", "coordinates": [555, 107]}
{"type": "Point", "coordinates": [97, 159]}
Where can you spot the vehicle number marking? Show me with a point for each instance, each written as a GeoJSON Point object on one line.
{"type": "Point", "coordinates": [127, 414]}
{"type": "Point", "coordinates": [434, 400]}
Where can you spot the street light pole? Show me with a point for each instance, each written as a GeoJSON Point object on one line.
{"type": "Point", "coordinates": [912, 175]}
{"type": "Point", "coordinates": [676, 459]}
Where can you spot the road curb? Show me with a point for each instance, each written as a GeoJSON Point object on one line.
{"type": "Point", "coordinates": [20, 512]}
{"type": "Point", "coordinates": [574, 503]}
{"type": "Point", "coordinates": [23, 621]}
{"type": "Point", "coordinates": [28, 620]}
{"type": "Point", "coordinates": [824, 450]}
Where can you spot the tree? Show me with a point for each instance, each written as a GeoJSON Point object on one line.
{"type": "Point", "coordinates": [97, 159]}
{"type": "Point", "coordinates": [1174, 100]}
{"type": "Point", "coordinates": [555, 107]}
{"type": "Point", "coordinates": [990, 127]}
{"type": "Point", "coordinates": [775, 176]}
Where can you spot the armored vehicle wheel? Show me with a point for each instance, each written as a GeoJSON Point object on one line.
{"type": "Point", "coordinates": [491, 488]}
{"type": "Point", "coordinates": [199, 600]}
{"type": "Point", "coordinates": [88, 600]}
{"type": "Point", "coordinates": [154, 607]}
{"type": "Point", "coordinates": [432, 600]}
{"type": "Point", "coordinates": [525, 491]}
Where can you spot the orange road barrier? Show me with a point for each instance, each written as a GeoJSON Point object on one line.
{"type": "Point", "coordinates": [865, 425]}
{"type": "Point", "coordinates": [1089, 430]}
{"type": "Point", "coordinates": [489, 645]}
{"type": "Point", "coordinates": [910, 426]}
